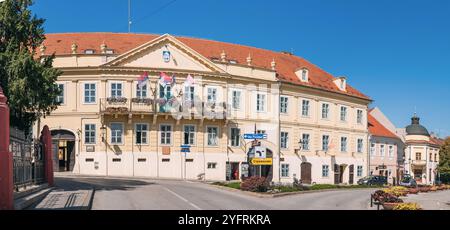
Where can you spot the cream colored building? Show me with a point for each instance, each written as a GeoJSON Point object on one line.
{"type": "Point", "coordinates": [316, 124]}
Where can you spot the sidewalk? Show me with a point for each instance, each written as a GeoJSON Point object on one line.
{"type": "Point", "coordinates": [439, 200]}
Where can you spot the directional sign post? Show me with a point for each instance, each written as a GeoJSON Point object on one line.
{"type": "Point", "coordinates": [255, 136]}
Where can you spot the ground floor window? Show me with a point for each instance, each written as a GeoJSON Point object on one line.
{"type": "Point", "coordinates": [325, 170]}
{"type": "Point", "coordinates": [116, 133]}
{"type": "Point", "coordinates": [285, 170]}
{"type": "Point", "coordinates": [141, 134]}
{"type": "Point", "coordinates": [212, 165]}
{"type": "Point", "coordinates": [359, 171]}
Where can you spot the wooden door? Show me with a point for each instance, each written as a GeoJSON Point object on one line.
{"type": "Point", "coordinates": [306, 173]}
{"type": "Point", "coordinates": [351, 174]}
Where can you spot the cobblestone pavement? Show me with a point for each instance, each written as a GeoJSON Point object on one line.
{"type": "Point", "coordinates": [431, 201]}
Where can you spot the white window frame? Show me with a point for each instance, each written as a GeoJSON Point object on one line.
{"type": "Point", "coordinates": [359, 171]}
{"type": "Point", "coordinates": [217, 136]}
{"type": "Point", "coordinates": [232, 139]}
{"type": "Point", "coordinates": [189, 93]}
{"type": "Point", "coordinates": [382, 150]}
{"type": "Point", "coordinates": [306, 109]}
{"type": "Point", "coordinates": [284, 138]}
{"type": "Point", "coordinates": [390, 153]}
{"type": "Point", "coordinates": [343, 113]}
{"type": "Point", "coordinates": [359, 116]}
{"type": "Point", "coordinates": [139, 90]}
{"type": "Point", "coordinates": [306, 144]}
{"type": "Point", "coordinates": [194, 138]}
{"type": "Point", "coordinates": [285, 170]}
{"type": "Point", "coordinates": [323, 143]}
{"type": "Point", "coordinates": [161, 132]}
{"type": "Point", "coordinates": [326, 169]}
{"type": "Point", "coordinates": [90, 90]}
{"type": "Point", "coordinates": [327, 111]}
{"type": "Point", "coordinates": [63, 94]}
{"type": "Point", "coordinates": [212, 165]}
{"type": "Point", "coordinates": [304, 75]}
{"type": "Point", "coordinates": [373, 148]}
{"type": "Point", "coordinates": [264, 104]}
{"type": "Point", "coordinates": [147, 131]}
{"type": "Point", "coordinates": [91, 131]}
{"type": "Point", "coordinates": [344, 145]}
{"type": "Point", "coordinates": [214, 96]}
{"type": "Point", "coordinates": [284, 104]}
{"type": "Point", "coordinates": [122, 133]}
{"type": "Point", "coordinates": [122, 90]}
{"type": "Point", "coordinates": [357, 145]}
{"type": "Point", "coordinates": [239, 104]}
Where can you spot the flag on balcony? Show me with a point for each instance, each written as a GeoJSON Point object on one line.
{"type": "Point", "coordinates": [142, 80]}
{"type": "Point", "coordinates": [189, 81]}
{"type": "Point", "coordinates": [165, 79]}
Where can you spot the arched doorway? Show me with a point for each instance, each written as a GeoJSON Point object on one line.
{"type": "Point", "coordinates": [305, 173]}
{"type": "Point", "coordinates": [63, 148]}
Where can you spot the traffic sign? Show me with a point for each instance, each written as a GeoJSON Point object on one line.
{"type": "Point", "coordinates": [185, 148]}
{"type": "Point", "coordinates": [265, 161]}
{"type": "Point", "coordinates": [253, 136]}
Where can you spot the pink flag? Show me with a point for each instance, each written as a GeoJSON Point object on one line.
{"type": "Point", "coordinates": [165, 79]}
{"type": "Point", "coordinates": [190, 80]}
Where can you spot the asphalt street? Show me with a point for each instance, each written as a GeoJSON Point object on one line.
{"type": "Point", "coordinates": [144, 194]}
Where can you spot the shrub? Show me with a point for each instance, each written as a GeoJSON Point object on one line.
{"type": "Point", "coordinates": [324, 186]}
{"type": "Point", "coordinates": [397, 191]}
{"type": "Point", "coordinates": [407, 206]}
{"type": "Point", "coordinates": [255, 184]}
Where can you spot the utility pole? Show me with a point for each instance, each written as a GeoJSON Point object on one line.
{"type": "Point", "coordinates": [129, 16]}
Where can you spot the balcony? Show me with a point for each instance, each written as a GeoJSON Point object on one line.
{"type": "Point", "coordinates": [114, 105]}
{"type": "Point", "coordinates": [420, 163]}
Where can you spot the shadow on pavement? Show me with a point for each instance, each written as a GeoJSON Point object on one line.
{"type": "Point", "coordinates": [74, 184]}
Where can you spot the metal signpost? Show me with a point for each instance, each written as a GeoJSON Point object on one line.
{"type": "Point", "coordinates": [185, 149]}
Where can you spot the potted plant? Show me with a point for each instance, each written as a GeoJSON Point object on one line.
{"type": "Point", "coordinates": [407, 206]}
{"type": "Point", "coordinates": [424, 189]}
{"type": "Point", "coordinates": [433, 189]}
{"type": "Point", "coordinates": [413, 190]}
{"type": "Point", "coordinates": [390, 201]}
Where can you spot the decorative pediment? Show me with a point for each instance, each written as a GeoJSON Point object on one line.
{"type": "Point", "coordinates": [165, 52]}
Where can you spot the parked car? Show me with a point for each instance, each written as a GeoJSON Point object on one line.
{"type": "Point", "coordinates": [373, 180]}
{"type": "Point", "coordinates": [408, 182]}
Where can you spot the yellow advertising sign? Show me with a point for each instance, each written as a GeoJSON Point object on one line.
{"type": "Point", "coordinates": [262, 161]}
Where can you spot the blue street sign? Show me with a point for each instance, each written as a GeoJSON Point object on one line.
{"type": "Point", "coordinates": [255, 136]}
{"type": "Point", "coordinates": [185, 148]}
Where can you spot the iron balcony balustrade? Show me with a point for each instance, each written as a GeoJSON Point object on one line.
{"type": "Point", "coordinates": [162, 106]}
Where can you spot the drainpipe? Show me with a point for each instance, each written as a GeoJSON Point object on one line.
{"type": "Point", "coordinates": [279, 132]}
{"type": "Point", "coordinates": [369, 144]}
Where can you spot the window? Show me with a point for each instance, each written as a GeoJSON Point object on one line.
{"type": "Point", "coordinates": [284, 140]}
{"type": "Point", "coordinates": [325, 142]}
{"type": "Point", "coordinates": [343, 144]}
{"type": "Point", "coordinates": [343, 113]}
{"type": "Point", "coordinates": [166, 134]}
{"type": "Point", "coordinates": [189, 135]}
{"type": "Point", "coordinates": [236, 99]}
{"type": "Point", "coordinates": [212, 136]}
{"type": "Point", "coordinates": [283, 104]}
{"type": "Point", "coordinates": [109, 51]}
{"type": "Point", "coordinates": [261, 131]}
{"type": "Point", "coordinates": [382, 150]}
{"type": "Point", "coordinates": [141, 92]}
{"type": "Point", "coordinates": [212, 95]}
{"type": "Point", "coordinates": [359, 116]}
{"type": "Point", "coordinates": [418, 156]}
{"type": "Point", "coordinates": [189, 93]}
{"type": "Point", "coordinates": [391, 151]}
{"type": "Point", "coordinates": [431, 157]}
{"type": "Point", "coordinates": [304, 75]}
{"type": "Point", "coordinates": [235, 137]}
{"type": "Point", "coordinates": [260, 102]}
{"type": "Point", "coordinates": [305, 142]}
{"type": "Point", "coordinates": [212, 165]}
{"type": "Point", "coordinates": [435, 157]}
{"type": "Point", "coordinates": [359, 171]}
{"type": "Point", "coordinates": [325, 170]}
{"type": "Point", "coordinates": [89, 51]}
{"type": "Point", "coordinates": [116, 133]}
{"type": "Point", "coordinates": [325, 111]}
{"type": "Point", "coordinates": [116, 89]}
{"type": "Point", "coordinates": [89, 93]}
{"type": "Point", "coordinates": [89, 134]}
{"type": "Point", "coordinates": [284, 170]}
{"type": "Point", "coordinates": [372, 149]}
{"type": "Point", "coordinates": [60, 97]}
{"type": "Point", "coordinates": [359, 147]}
{"type": "Point", "coordinates": [141, 134]}
{"type": "Point", "coordinates": [305, 108]}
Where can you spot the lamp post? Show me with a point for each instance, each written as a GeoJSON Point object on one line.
{"type": "Point", "coordinates": [103, 132]}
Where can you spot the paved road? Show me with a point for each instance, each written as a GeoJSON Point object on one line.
{"type": "Point", "coordinates": [143, 194]}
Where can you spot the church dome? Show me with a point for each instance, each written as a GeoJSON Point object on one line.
{"type": "Point", "coordinates": [415, 128]}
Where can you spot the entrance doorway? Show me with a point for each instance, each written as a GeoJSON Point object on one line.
{"type": "Point", "coordinates": [305, 173]}
{"type": "Point", "coordinates": [339, 173]}
{"type": "Point", "coordinates": [63, 146]}
{"type": "Point", "coordinates": [233, 171]}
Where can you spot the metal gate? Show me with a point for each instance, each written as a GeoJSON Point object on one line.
{"type": "Point", "coordinates": [28, 160]}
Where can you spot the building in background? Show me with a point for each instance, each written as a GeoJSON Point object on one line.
{"type": "Point", "coordinates": [385, 150]}
{"type": "Point", "coordinates": [176, 107]}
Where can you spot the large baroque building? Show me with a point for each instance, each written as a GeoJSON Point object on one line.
{"type": "Point", "coordinates": [176, 107]}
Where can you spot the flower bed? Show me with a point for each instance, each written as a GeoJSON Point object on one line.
{"type": "Point", "coordinates": [407, 206]}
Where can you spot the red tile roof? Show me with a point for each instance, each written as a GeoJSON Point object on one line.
{"type": "Point", "coordinates": [286, 66]}
{"type": "Point", "coordinates": [377, 129]}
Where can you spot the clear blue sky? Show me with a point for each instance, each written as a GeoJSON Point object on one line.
{"type": "Point", "coordinates": [397, 52]}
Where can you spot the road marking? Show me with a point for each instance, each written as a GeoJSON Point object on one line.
{"type": "Point", "coordinates": [183, 199]}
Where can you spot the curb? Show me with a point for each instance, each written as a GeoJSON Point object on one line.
{"type": "Point", "coordinates": [259, 195]}
{"type": "Point", "coordinates": [32, 199]}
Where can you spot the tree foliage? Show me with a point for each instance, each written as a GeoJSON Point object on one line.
{"type": "Point", "coordinates": [444, 157]}
{"type": "Point", "coordinates": [28, 81]}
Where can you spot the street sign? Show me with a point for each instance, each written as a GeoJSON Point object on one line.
{"type": "Point", "coordinates": [265, 161]}
{"type": "Point", "coordinates": [185, 148]}
{"type": "Point", "coordinates": [260, 152]}
{"type": "Point", "coordinates": [255, 136]}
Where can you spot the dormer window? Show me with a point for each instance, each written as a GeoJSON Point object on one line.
{"type": "Point", "coordinates": [303, 74]}
{"type": "Point", "coordinates": [341, 83]}
{"type": "Point", "coordinates": [233, 62]}
{"type": "Point", "coordinates": [109, 51]}
{"type": "Point", "coordinates": [89, 51]}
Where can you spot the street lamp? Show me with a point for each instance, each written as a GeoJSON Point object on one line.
{"type": "Point", "coordinates": [300, 146]}
{"type": "Point", "coordinates": [103, 132]}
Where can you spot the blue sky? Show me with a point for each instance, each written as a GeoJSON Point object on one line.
{"type": "Point", "coordinates": [397, 52]}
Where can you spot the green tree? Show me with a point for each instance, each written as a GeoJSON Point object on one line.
{"type": "Point", "coordinates": [28, 81]}
{"type": "Point", "coordinates": [444, 161]}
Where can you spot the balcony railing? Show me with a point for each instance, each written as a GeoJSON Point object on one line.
{"type": "Point", "coordinates": [419, 162]}
{"type": "Point", "coordinates": [185, 109]}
